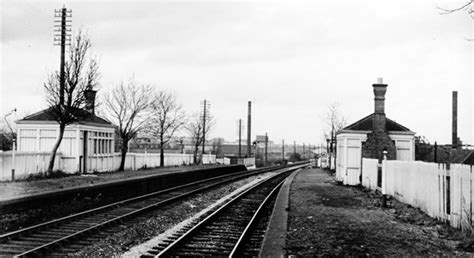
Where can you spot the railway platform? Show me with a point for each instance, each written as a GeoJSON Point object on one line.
{"type": "Point", "coordinates": [25, 188]}
{"type": "Point", "coordinates": [328, 219]}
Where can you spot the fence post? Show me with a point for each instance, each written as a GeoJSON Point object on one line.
{"type": "Point", "coordinates": [2, 165]}
{"type": "Point", "coordinates": [384, 180]}
{"type": "Point", "coordinates": [13, 160]}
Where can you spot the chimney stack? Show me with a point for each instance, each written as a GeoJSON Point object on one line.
{"type": "Point", "coordinates": [89, 95]}
{"type": "Point", "coordinates": [378, 143]}
{"type": "Point", "coordinates": [379, 105]}
{"type": "Point", "coordinates": [455, 120]}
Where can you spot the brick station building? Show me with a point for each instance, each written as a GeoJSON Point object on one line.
{"type": "Point", "coordinates": [372, 137]}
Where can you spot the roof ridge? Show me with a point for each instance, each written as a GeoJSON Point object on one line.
{"type": "Point", "coordinates": [365, 124]}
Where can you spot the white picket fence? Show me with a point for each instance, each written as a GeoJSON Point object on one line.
{"type": "Point", "coordinates": [369, 173]}
{"type": "Point", "coordinates": [28, 163]}
{"type": "Point", "coordinates": [440, 191]}
{"type": "Point", "coordinates": [225, 161]}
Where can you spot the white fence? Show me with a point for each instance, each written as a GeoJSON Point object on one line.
{"type": "Point", "coordinates": [248, 162]}
{"type": "Point", "coordinates": [225, 161]}
{"type": "Point", "coordinates": [25, 163]}
{"type": "Point", "coordinates": [441, 192]}
{"type": "Point", "coordinates": [369, 173]}
{"type": "Point", "coordinates": [28, 163]}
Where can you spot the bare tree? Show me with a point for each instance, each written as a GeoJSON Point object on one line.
{"type": "Point", "coordinates": [127, 106]}
{"type": "Point", "coordinates": [166, 118]}
{"type": "Point", "coordinates": [81, 72]}
{"type": "Point", "coordinates": [466, 6]}
{"type": "Point", "coordinates": [217, 146]}
{"type": "Point", "coordinates": [335, 121]}
{"type": "Point", "coordinates": [195, 130]}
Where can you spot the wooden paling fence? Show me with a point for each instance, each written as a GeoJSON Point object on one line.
{"type": "Point", "coordinates": [442, 191]}
{"type": "Point", "coordinates": [30, 163]}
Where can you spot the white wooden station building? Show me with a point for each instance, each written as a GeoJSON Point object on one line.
{"type": "Point", "coordinates": [87, 145]}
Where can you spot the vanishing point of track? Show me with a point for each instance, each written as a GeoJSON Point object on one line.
{"type": "Point", "coordinates": [235, 229]}
{"type": "Point", "coordinates": [76, 229]}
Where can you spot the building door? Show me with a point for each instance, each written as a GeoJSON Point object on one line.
{"type": "Point", "coordinates": [84, 151]}
{"type": "Point", "coordinates": [353, 159]}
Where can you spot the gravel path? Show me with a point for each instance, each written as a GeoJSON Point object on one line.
{"type": "Point", "coordinates": [10, 190]}
{"type": "Point", "coordinates": [328, 219]}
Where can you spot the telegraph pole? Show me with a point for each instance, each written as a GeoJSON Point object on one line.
{"type": "Point", "coordinates": [283, 149]}
{"type": "Point", "coordinates": [294, 148]}
{"type": "Point", "coordinates": [303, 152]}
{"type": "Point", "coordinates": [204, 117]}
{"type": "Point", "coordinates": [62, 39]}
{"type": "Point", "coordinates": [240, 138]}
{"type": "Point", "coordinates": [266, 149]}
{"type": "Point", "coordinates": [249, 135]}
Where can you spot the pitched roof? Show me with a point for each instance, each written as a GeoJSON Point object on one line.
{"type": "Point", "coordinates": [469, 159]}
{"type": "Point", "coordinates": [82, 116]}
{"type": "Point", "coordinates": [365, 124]}
{"type": "Point", "coordinates": [462, 156]}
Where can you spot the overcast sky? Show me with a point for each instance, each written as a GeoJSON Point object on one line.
{"type": "Point", "coordinates": [291, 58]}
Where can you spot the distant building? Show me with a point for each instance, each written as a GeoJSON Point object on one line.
{"type": "Point", "coordinates": [86, 142]}
{"type": "Point", "coordinates": [373, 136]}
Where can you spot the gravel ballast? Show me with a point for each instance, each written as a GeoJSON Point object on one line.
{"type": "Point", "coordinates": [163, 223]}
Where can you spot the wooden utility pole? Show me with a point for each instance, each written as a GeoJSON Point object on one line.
{"type": "Point", "coordinates": [249, 135]}
{"type": "Point", "coordinates": [294, 149]}
{"type": "Point", "coordinates": [240, 138]}
{"type": "Point", "coordinates": [204, 117]}
{"type": "Point", "coordinates": [283, 149]}
{"type": "Point", "coordinates": [62, 39]}
{"type": "Point", "coordinates": [266, 149]}
{"type": "Point", "coordinates": [303, 152]}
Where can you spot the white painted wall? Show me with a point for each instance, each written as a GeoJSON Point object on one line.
{"type": "Point", "coordinates": [40, 136]}
{"type": "Point", "coordinates": [349, 153]}
{"type": "Point", "coordinates": [349, 157]}
{"type": "Point", "coordinates": [405, 145]}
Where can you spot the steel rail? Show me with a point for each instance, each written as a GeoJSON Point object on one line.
{"type": "Point", "coordinates": [166, 252]}
{"type": "Point", "coordinates": [119, 203]}
{"type": "Point", "coordinates": [234, 176]}
{"type": "Point", "coordinates": [240, 242]}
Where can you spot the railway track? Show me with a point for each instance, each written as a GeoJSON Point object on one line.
{"type": "Point", "coordinates": [235, 229]}
{"type": "Point", "coordinates": [64, 235]}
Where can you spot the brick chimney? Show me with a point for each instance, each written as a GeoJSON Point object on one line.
{"type": "Point", "coordinates": [378, 140]}
{"type": "Point", "coordinates": [380, 120]}
{"type": "Point", "coordinates": [89, 95]}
